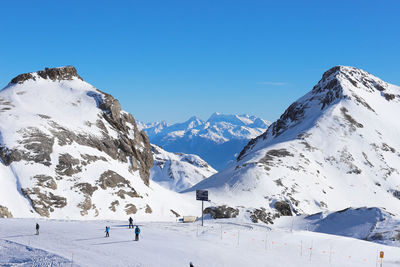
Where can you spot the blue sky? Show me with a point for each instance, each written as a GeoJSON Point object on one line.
{"type": "Point", "coordinates": [169, 60]}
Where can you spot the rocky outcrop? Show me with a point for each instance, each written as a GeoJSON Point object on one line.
{"type": "Point", "coordinates": [130, 209]}
{"type": "Point", "coordinates": [45, 181]}
{"type": "Point", "coordinates": [262, 215]}
{"type": "Point", "coordinates": [67, 165]}
{"type": "Point", "coordinates": [63, 73]}
{"type": "Point", "coordinates": [44, 202]}
{"type": "Point", "coordinates": [221, 212]}
{"type": "Point", "coordinates": [283, 208]}
{"type": "Point", "coordinates": [4, 212]}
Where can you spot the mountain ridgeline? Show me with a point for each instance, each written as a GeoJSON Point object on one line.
{"type": "Point", "coordinates": [217, 140]}
{"type": "Point", "coordinates": [335, 147]}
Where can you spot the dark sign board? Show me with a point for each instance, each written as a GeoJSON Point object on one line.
{"type": "Point", "coordinates": [202, 195]}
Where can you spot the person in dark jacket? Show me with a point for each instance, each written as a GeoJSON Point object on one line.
{"type": "Point", "coordinates": [37, 228]}
{"type": "Point", "coordinates": [137, 232]}
{"type": "Point", "coordinates": [130, 222]}
{"type": "Point", "coordinates": [107, 231]}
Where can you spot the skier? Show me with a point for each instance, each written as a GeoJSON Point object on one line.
{"type": "Point", "coordinates": [137, 232]}
{"type": "Point", "coordinates": [191, 264]}
{"type": "Point", "coordinates": [130, 222]}
{"type": "Point", "coordinates": [37, 228]}
{"type": "Point", "coordinates": [107, 231]}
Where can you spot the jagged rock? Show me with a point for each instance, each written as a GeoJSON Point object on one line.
{"type": "Point", "coordinates": [113, 205]}
{"type": "Point", "coordinates": [148, 209]}
{"type": "Point", "coordinates": [221, 212]}
{"type": "Point", "coordinates": [86, 188]}
{"type": "Point", "coordinates": [37, 146]}
{"type": "Point", "coordinates": [112, 179]}
{"type": "Point", "coordinates": [130, 209]}
{"type": "Point", "coordinates": [44, 203]}
{"type": "Point", "coordinates": [45, 181]}
{"type": "Point", "coordinates": [4, 212]}
{"type": "Point", "coordinates": [68, 165]}
{"type": "Point", "coordinates": [261, 215]}
{"type": "Point", "coordinates": [132, 193]}
{"type": "Point", "coordinates": [283, 208]}
{"type": "Point", "coordinates": [85, 205]}
{"type": "Point", "coordinates": [63, 73]}
{"type": "Point", "coordinates": [87, 159]}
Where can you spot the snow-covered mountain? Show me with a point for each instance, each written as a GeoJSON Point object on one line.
{"type": "Point", "coordinates": [178, 171]}
{"type": "Point", "coordinates": [336, 147]}
{"type": "Point", "coordinates": [217, 140]}
{"type": "Point", "coordinates": [67, 150]}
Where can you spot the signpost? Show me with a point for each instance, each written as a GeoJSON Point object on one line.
{"type": "Point", "coordinates": [381, 255]}
{"type": "Point", "coordinates": [203, 196]}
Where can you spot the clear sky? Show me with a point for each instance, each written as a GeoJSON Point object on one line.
{"type": "Point", "coordinates": [169, 60]}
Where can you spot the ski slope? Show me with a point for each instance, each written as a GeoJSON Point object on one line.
{"type": "Point", "coordinates": [218, 243]}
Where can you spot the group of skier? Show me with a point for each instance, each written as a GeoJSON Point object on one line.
{"type": "Point", "coordinates": [137, 229]}
{"type": "Point", "coordinates": [107, 231]}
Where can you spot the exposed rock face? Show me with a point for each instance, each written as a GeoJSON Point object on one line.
{"type": "Point", "coordinates": [44, 202]}
{"type": "Point", "coordinates": [283, 208]}
{"type": "Point", "coordinates": [4, 213]}
{"type": "Point", "coordinates": [63, 73]}
{"type": "Point", "coordinates": [75, 141]}
{"type": "Point", "coordinates": [221, 212]}
{"type": "Point", "coordinates": [130, 209]}
{"type": "Point", "coordinates": [261, 215]}
{"type": "Point", "coordinates": [45, 181]}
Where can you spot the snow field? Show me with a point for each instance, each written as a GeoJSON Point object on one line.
{"type": "Point", "coordinates": [218, 243]}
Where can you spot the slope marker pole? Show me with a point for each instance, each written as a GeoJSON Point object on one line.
{"type": "Point", "coordinates": [266, 240]}
{"type": "Point", "coordinates": [301, 248]}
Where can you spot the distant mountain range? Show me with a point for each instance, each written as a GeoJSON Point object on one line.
{"type": "Point", "coordinates": [217, 140]}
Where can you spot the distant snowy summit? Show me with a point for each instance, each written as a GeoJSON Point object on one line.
{"type": "Point", "coordinates": [178, 171]}
{"type": "Point", "coordinates": [336, 147]}
{"type": "Point", "coordinates": [217, 140]}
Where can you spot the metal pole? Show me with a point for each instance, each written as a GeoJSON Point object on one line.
{"type": "Point", "coordinates": [202, 207]}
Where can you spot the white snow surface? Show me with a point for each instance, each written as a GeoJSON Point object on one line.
{"type": "Point", "coordinates": [334, 148]}
{"type": "Point", "coordinates": [216, 140]}
{"type": "Point", "coordinates": [219, 243]}
{"type": "Point", "coordinates": [178, 171]}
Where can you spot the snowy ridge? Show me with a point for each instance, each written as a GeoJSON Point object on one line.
{"type": "Point", "coordinates": [67, 150]}
{"type": "Point", "coordinates": [334, 148]}
{"type": "Point", "coordinates": [178, 171]}
{"type": "Point", "coordinates": [217, 140]}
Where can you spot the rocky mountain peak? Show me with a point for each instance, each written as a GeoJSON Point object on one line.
{"type": "Point", "coordinates": [351, 78]}
{"type": "Point", "coordinates": [337, 84]}
{"type": "Point", "coordinates": [69, 146]}
{"type": "Point", "coordinates": [60, 73]}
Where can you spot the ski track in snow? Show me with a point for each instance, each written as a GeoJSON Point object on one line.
{"type": "Point", "coordinates": [218, 243]}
